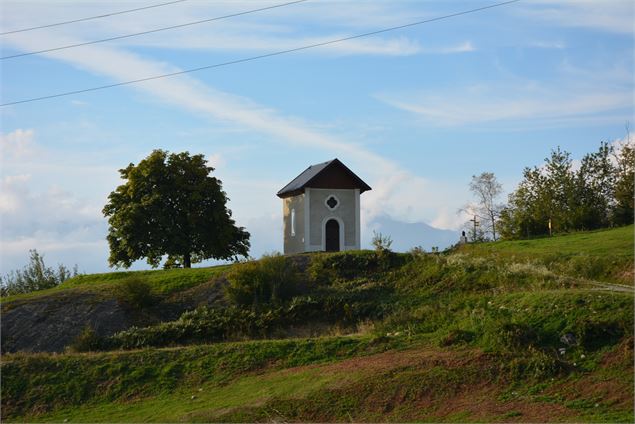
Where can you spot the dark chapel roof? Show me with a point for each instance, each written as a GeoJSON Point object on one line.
{"type": "Point", "coordinates": [331, 174]}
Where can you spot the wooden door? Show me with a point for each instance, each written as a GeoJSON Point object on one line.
{"type": "Point", "coordinates": [332, 243]}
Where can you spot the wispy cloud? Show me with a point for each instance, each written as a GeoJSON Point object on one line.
{"type": "Point", "coordinates": [273, 30]}
{"type": "Point", "coordinates": [611, 16]}
{"type": "Point", "coordinates": [542, 44]}
{"type": "Point", "coordinates": [455, 109]}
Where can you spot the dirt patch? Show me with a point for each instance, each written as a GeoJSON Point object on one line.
{"type": "Point", "coordinates": [402, 386]}
{"type": "Point", "coordinates": [393, 359]}
{"type": "Point", "coordinates": [481, 403]}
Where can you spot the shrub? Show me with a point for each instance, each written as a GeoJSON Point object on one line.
{"type": "Point", "coordinates": [535, 364]}
{"type": "Point", "coordinates": [135, 292]}
{"type": "Point", "coordinates": [499, 334]}
{"type": "Point", "coordinates": [86, 341]}
{"type": "Point", "coordinates": [34, 276]}
{"type": "Point", "coordinates": [272, 279]}
{"type": "Point", "coordinates": [212, 325]}
{"type": "Point", "coordinates": [595, 335]}
{"type": "Point", "coordinates": [327, 268]}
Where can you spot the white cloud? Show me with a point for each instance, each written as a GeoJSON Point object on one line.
{"type": "Point", "coordinates": [9, 197]}
{"type": "Point", "coordinates": [448, 219]}
{"type": "Point", "coordinates": [215, 160]}
{"type": "Point", "coordinates": [611, 16]}
{"type": "Point", "coordinates": [544, 106]}
{"type": "Point", "coordinates": [17, 144]}
{"type": "Point", "coordinates": [464, 47]}
{"type": "Point", "coordinates": [540, 44]}
{"type": "Point", "coordinates": [52, 221]}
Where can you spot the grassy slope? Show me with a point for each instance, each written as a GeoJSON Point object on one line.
{"type": "Point", "coordinates": [606, 255]}
{"type": "Point", "coordinates": [162, 281]}
{"type": "Point", "coordinates": [473, 338]}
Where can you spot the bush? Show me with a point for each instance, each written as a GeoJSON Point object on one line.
{"type": "Point", "coordinates": [34, 276]}
{"type": "Point", "coordinates": [272, 279]}
{"type": "Point", "coordinates": [595, 335]}
{"type": "Point", "coordinates": [212, 325]}
{"type": "Point", "coordinates": [327, 268]}
{"type": "Point", "coordinates": [86, 341]}
{"type": "Point", "coordinates": [135, 292]}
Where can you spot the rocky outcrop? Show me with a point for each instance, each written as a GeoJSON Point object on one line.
{"type": "Point", "coordinates": [50, 323]}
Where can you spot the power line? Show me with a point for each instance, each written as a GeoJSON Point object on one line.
{"type": "Point", "coordinates": [152, 30]}
{"type": "Point", "coordinates": [92, 17]}
{"type": "Point", "coordinates": [248, 59]}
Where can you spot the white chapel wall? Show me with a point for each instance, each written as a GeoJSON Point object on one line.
{"type": "Point", "coordinates": [293, 243]}
{"type": "Point", "coordinates": [345, 211]}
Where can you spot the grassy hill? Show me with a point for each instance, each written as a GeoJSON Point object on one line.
{"type": "Point", "coordinates": [523, 331]}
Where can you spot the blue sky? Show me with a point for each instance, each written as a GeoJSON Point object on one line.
{"type": "Point", "coordinates": [414, 112]}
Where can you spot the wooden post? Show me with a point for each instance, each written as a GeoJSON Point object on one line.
{"type": "Point", "coordinates": [476, 224]}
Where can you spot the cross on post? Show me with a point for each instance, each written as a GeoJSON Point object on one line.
{"type": "Point", "coordinates": [476, 224]}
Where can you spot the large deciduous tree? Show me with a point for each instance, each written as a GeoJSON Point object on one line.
{"type": "Point", "coordinates": [171, 205]}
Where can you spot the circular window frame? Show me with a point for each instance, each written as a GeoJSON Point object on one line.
{"type": "Point", "coordinates": [327, 200]}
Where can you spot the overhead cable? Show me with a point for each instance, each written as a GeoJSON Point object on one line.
{"type": "Point", "coordinates": [92, 17]}
{"type": "Point", "coordinates": [218, 18]}
{"type": "Point", "coordinates": [252, 58]}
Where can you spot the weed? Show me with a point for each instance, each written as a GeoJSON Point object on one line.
{"type": "Point", "coordinates": [135, 293]}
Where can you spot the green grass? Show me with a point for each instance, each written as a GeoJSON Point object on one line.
{"type": "Point", "coordinates": [617, 242]}
{"type": "Point", "coordinates": [605, 255]}
{"type": "Point", "coordinates": [481, 327]}
{"type": "Point", "coordinates": [70, 380]}
{"type": "Point", "coordinates": [208, 399]}
{"type": "Point", "coordinates": [162, 281]}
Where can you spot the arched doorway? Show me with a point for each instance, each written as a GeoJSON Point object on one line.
{"type": "Point", "coordinates": [332, 235]}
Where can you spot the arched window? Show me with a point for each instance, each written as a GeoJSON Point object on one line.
{"type": "Point", "coordinates": [292, 222]}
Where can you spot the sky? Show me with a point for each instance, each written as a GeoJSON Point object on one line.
{"type": "Point", "coordinates": [414, 112]}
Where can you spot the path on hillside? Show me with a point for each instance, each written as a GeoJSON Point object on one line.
{"type": "Point", "coordinates": [609, 286]}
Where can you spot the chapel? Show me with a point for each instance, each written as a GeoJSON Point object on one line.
{"type": "Point", "coordinates": [321, 209]}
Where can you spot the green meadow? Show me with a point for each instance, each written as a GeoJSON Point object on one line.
{"type": "Point", "coordinates": [511, 331]}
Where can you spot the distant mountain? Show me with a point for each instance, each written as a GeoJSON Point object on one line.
{"type": "Point", "coordinates": [407, 235]}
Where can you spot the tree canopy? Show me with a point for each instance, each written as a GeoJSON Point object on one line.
{"type": "Point", "coordinates": [598, 194]}
{"type": "Point", "coordinates": [171, 205]}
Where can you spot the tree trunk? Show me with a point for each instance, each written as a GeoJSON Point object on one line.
{"type": "Point", "coordinates": [187, 261]}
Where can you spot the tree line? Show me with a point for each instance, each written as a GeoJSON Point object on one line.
{"type": "Point", "coordinates": [559, 196]}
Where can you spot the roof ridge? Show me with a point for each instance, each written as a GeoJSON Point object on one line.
{"type": "Point", "coordinates": [303, 180]}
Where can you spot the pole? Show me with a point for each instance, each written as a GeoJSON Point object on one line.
{"type": "Point", "coordinates": [476, 224]}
